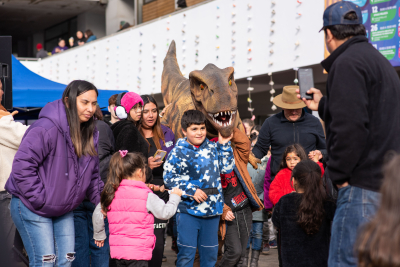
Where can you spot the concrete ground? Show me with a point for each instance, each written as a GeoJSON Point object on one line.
{"type": "Point", "coordinates": [270, 260]}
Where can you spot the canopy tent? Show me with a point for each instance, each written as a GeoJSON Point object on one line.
{"type": "Point", "coordinates": [33, 91]}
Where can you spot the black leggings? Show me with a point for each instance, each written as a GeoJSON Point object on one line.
{"type": "Point", "coordinates": [158, 251]}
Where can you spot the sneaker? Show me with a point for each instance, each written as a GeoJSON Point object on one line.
{"type": "Point", "coordinates": [265, 249]}
{"type": "Point", "coordinates": [164, 258]}
{"type": "Point", "coordinates": [273, 244]}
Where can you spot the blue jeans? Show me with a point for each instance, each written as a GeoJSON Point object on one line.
{"type": "Point", "coordinates": [86, 249]}
{"type": "Point", "coordinates": [48, 241]}
{"type": "Point", "coordinates": [197, 232]}
{"type": "Point", "coordinates": [355, 206]}
{"type": "Point", "coordinates": [256, 236]}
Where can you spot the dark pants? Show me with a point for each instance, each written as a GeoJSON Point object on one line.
{"type": "Point", "coordinates": [7, 231]}
{"type": "Point", "coordinates": [158, 251]}
{"type": "Point", "coordinates": [87, 252]}
{"type": "Point", "coordinates": [131, 263]}
{"type": "Point", "coordinates": [236, 238]}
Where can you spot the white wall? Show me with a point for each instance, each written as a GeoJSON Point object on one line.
{"type": "Point", "coordinates": [133, 59]}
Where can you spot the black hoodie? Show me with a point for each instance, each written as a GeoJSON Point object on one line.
{"type": "Point", "coordinates": [361, 113]}
{"type": "Point", "coordinates": [128, 137]}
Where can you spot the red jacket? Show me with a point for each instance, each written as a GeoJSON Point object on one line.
{"type": "Point", "coordinates": [282, 184]}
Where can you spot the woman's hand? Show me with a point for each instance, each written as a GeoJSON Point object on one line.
{"type": "Point", "coordinates": [229, 216]}
{"type": "Point", "coordinates": [153, 164]}
{"type": "Point", "coordinates": [315, 155]}
{"type": "Point", "coordinates": [162, 189]}
{"type": "Point", "coordinates": [99, 243]}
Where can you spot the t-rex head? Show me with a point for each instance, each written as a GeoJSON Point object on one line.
{"type": "Point", "coordinates": [214, 92]}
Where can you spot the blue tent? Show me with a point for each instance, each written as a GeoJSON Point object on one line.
{"type": "Point", "coordinates": [32, 90]}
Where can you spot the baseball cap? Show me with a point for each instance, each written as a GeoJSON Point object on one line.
{"type": "Point", "coordinates": [335, 13]}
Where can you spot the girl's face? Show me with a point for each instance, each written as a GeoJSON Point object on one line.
{"type": "Point", "coordinates": [150, 115]}
{"type": "Point", "coordinates": [136, 112]}
{"type": "Point", "coordinates": [291, 160]}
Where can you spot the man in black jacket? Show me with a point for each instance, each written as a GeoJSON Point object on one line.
{"type": "Point", "coordinates": [291, 126]}
{"type": "Point", "coordinates": [362, 120]}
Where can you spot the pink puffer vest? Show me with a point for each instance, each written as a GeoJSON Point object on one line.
{"type": "Point", "coordinates": [131, 226]}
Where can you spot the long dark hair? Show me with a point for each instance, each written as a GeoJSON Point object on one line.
{"type": "Point", "coordinates": [157, 130]}
{"type": "Point", "coordinates": [120, 168]}
{"type": "Point", "coordinates": [81, 133]}
{"type": "Point", "coordinates": [379, 241]}
{"type": "Point", "coordinates": [311, 211]}
{"type": "Point", "coordinates": [295, 148]}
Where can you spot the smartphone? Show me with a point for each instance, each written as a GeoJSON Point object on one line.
{"type": "Point", "coordinates": [306, 82]}
{"type": "Point", "coordinates": [160, 153]}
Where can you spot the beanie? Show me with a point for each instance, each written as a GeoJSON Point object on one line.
{"type": "Point", "coordinates": [129, 100]}
{"type": "Point", "coordinates": [39, 46]}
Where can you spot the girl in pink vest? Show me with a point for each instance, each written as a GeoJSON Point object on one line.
{"type": "Point", "coordinates": [130, 207]}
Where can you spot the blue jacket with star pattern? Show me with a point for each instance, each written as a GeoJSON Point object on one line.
{"type": "Point", "coordinates": [190, 168]}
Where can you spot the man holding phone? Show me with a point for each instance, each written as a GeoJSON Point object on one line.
{"type": "Point", "coordinates": [362, 120]}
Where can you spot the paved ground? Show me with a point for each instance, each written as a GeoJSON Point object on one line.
{"type": "Point", "coordinates": [270, 260]}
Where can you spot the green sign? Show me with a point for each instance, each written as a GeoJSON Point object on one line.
{"type": "Point", "coordinates": [383, 35]}
{"type": "Point", "coordinates": [388, 53]}
{"type": "Point", "coordinates": [378, 1]}
{"type": "Point", "coordinates": [383, 15]}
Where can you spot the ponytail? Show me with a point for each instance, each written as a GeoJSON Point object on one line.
{"type": "Point", "coordinates": [121, 166]}
{"type": "Point", "coordinates": [311, 209]}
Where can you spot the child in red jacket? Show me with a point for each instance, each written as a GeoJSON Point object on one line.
{"type": "Point", "coordinates": [282, 184]}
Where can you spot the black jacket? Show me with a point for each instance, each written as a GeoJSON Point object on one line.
{"type": "Point", "coordinates": [106, 148]}
{"type": "Point", "coordinates": [361, 113]}
{"type": "Point", "coordinates": [280, 133]}
{"type": "Point", "coordinates": [298, 249]}
{"type": "Point", "coordinates": [128, 137]}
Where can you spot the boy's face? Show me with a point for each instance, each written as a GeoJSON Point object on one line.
{"type": "Point", "coordinates": [195, 134]}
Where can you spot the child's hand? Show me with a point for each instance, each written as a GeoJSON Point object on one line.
{"type": "Point", "coordinates": [177, 191]}
{"type": "Point", "coordinates": [99, 243]}
{"type": "Point", "coordinates": [223, 140]}
{"type": "Point", "coordinates": [229, 216]}
{"type": "Point", "coordinates": [200, 196]}
{"type": "Point", "coordinates": [162, 189]}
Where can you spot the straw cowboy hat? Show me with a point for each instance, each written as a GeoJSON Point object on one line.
{"type": "Point", "coordinates": [288, 99]}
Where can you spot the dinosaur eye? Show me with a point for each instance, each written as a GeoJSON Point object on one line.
{"type": "Point", "coordinates": [230, 82]}
{"type": "Point", "coordinates": [202, 86]}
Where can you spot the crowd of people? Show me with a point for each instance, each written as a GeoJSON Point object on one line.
{"type": "Point", "coordinates": [84, 191]}
{"type": "Point", "coordinates": [81, 39]}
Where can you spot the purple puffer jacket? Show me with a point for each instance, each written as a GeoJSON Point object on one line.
{"type": "Point", "coordinates": [169, 140]}
{"type": "Point", "coordinates": [46, 174]}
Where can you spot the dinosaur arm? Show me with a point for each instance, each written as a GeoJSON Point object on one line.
{"type": "Point", "coordinates": [242, 145]}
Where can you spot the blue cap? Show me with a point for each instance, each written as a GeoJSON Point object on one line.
{"type": "Point", "coordinates": [334, 14]}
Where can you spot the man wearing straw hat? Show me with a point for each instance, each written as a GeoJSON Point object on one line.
{"type": "Point", "coordinates": [291, 126]}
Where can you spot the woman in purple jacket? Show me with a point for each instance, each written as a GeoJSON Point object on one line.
{"type": "Point", "coordinates": [55, 167]}
{"type": "Point", "coordinates": [159, 137]}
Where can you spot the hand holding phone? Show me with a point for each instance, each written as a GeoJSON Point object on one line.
{"type": "Point", "coordinates": [161, 154]}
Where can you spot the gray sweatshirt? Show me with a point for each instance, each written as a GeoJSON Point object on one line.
{"type": "Point", "coordinates": [155, 205]}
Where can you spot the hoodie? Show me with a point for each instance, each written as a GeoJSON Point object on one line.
{"type": "Point", "coordinates": [190, 168]}
{"type": "Point", "coordinates": [46, 174]}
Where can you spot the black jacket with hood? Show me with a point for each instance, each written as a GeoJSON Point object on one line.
{"type": "Point", "coordinates": [128, 137]}
{"type": "Point", "coordinates": [361, 112]}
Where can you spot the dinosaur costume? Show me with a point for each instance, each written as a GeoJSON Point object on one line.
{"type": "Point", "coordinates": [212, 91]}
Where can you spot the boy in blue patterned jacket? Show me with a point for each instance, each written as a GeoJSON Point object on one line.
{"type": "Point", "coordinates": [194, 166]}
